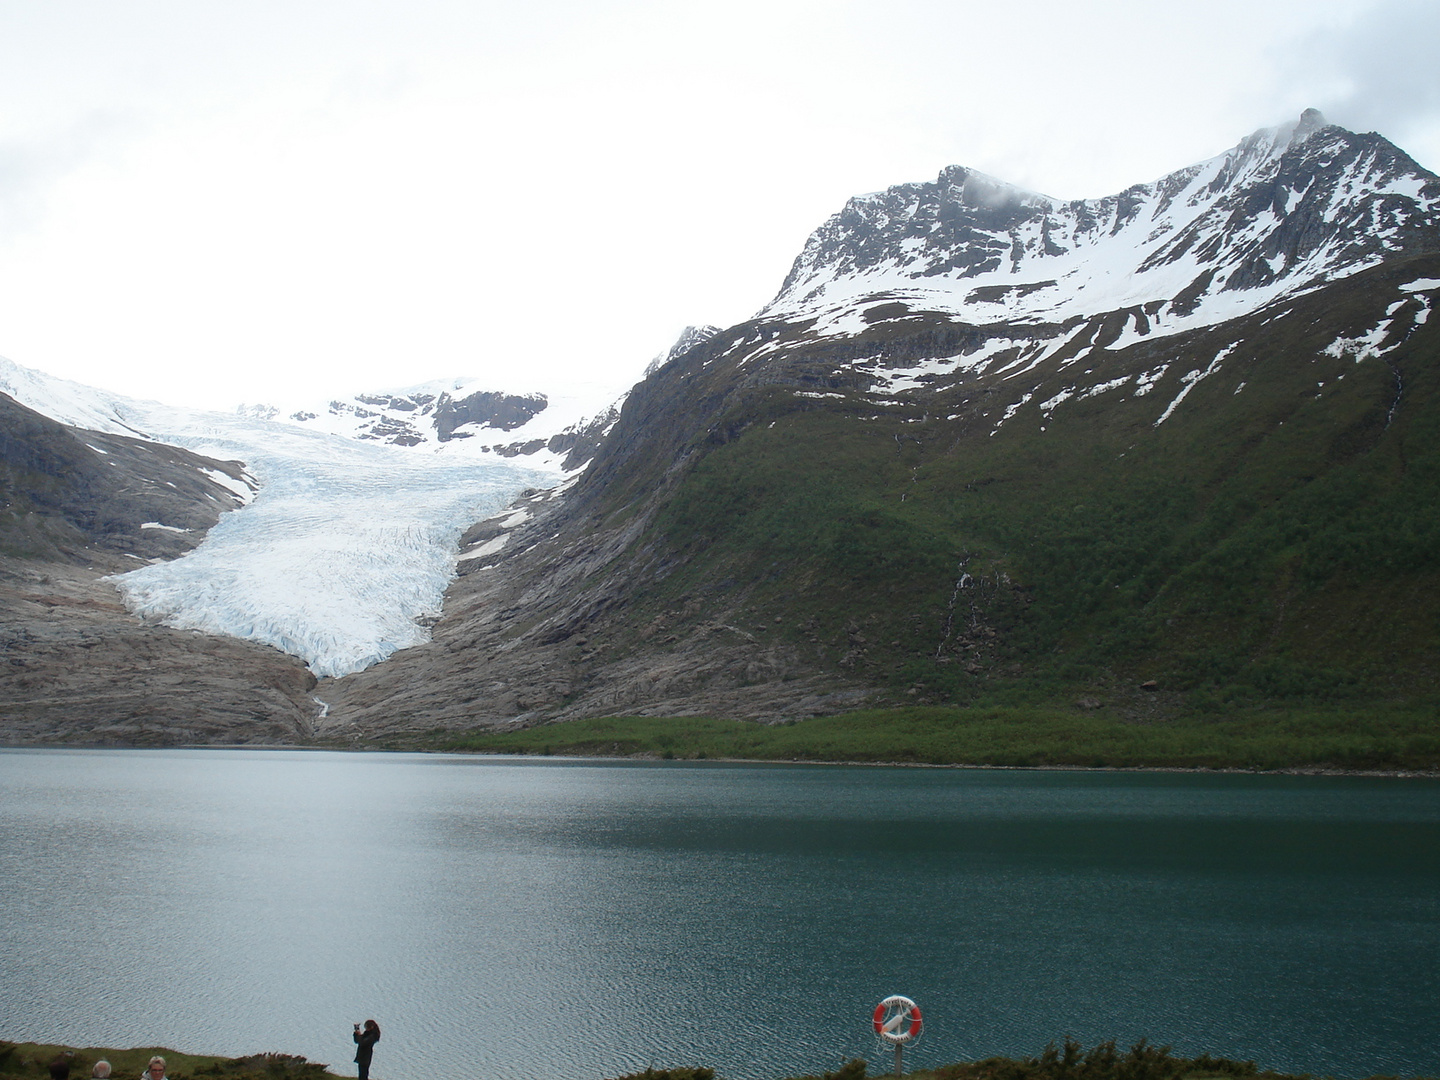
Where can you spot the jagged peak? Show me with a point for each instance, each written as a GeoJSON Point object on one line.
{"type": "Point", "coordinates": [1310, 120]}
{"type": "Point", "coordinates": [983, 191]}
{"type": "Point", "coordinates": [971, 187]}
{"type": "Point", "coordinates": [688, 339]}
{"type": "Point", "coordinates": [1271, 142]}
{"type": "Point", "coordinates": [969, 238]}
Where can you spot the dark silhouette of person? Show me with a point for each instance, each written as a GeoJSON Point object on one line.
{"type": "Point", "coordinates": [365, 1046]}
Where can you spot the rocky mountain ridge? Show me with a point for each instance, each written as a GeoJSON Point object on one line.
{"type": "Point", "coordinates": [699, 568]}
{"type": "Point", "coordinates": [1287, 207]}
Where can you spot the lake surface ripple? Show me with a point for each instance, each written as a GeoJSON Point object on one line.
{"type": "Point", "coordinates": [508, 918]}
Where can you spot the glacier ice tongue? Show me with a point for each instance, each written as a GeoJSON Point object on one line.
{"type": "Point", "coordinates": [346, 545]}
{"type": "Point", "coordinates": [344, 548]}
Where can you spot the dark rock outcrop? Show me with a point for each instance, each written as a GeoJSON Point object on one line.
{"type": "Point", "coordinates": [504, 412]}
{"type": "Point", "coordinates": [66, 492]}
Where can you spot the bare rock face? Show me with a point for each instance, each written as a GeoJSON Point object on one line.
{"type": "Point", "coordinates": [504, 412]}
{"type": "Point", "coordinates": [540, 629]}
{"type": "Point", "coordinates": [76, 667]}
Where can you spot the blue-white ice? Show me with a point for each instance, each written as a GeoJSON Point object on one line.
{"type": "Point", "coordinates": [345, 546]}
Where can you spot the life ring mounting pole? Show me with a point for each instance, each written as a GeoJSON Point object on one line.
{"type": "Point", "coordinates": [897, 1020]}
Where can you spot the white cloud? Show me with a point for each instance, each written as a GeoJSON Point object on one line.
{"type": "Point", "coordinates": [334, 196]}
{"type": "Point", "coordinates": [1378, 73]}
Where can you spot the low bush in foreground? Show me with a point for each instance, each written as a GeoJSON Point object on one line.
{"type": "Point", "coordinates": [31, 1061]}
{"type": "Point", "coordinates": [1070, 1061]}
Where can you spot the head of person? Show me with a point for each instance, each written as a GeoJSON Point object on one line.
{"type": "Point", "coordinates": [101, 1070]}
{"type": "Point", "coordinates": [156, 1069]}
{"type": "Point", "coordinates": [372, 1028]}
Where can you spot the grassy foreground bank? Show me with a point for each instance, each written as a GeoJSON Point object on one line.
{"type": "Point", "coordinates": [1398, 738]}
{"type": "Point", "coordinates": [30, 1061]}
{"type": "Point", "coordinates": [1070, 1061]}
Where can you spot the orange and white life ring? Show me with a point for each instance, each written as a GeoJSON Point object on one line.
{"type": "Point", "coordinates": [897, 1019]}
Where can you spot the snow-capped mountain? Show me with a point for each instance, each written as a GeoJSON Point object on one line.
{"type": "Point", "coordinates": [1288, 208]}
{"type": "Point", "coordinates": [981, 433]}
{"type": "Point", "coordinates": [467, 417]}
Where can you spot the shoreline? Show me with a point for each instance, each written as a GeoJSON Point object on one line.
{"type": "Point", "coordinates": [1397, 774]}
{"type": "Point", "coordinates": [1226, 770]}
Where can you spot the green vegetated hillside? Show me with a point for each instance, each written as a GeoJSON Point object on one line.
{"type": "Point", "coordinates": [1274, 540]}
{"type": "Point", "coordinates": [1383, 738]}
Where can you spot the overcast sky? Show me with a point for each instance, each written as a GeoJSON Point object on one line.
{"type": "Point", "coordinates": [283, 200]}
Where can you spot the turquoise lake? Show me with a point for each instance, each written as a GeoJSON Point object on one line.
{"type": "Point", "coordinates": [513, 918]}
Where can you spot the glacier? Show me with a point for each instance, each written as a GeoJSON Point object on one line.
{"type": "Point", "coordinates": [343, 554]}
